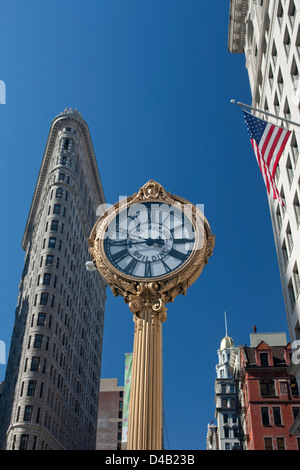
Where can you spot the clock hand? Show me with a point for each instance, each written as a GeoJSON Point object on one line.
{"type": "Point", "coordinates": [118, 243]}
{"type": "Point", "coordinates": [124, 242]}
{"type": "Point", "coordinates": [155, 241]}
{"type": "Point", "coordinates": [134, 238]}
{"type": "Point", "coordinates": [183, 240]}
{"type": "Point", "coordinates": [149, 241]}
{"type": "Point", "coordinates": [160, 242]}
{"type": "Point", "coordinates": [130, 243]}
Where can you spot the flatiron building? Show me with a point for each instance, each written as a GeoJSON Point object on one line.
{"type": "Point", "coordinates": [51, 387]}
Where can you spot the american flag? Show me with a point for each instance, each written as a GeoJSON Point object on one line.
{"type": "Point", "coordinates": [268, 142]}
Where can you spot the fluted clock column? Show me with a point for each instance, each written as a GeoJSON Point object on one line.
{"type": "Point", "coordinates": [145, 409]}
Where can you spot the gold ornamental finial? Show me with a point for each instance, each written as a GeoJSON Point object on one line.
{"type": "Point", "coordinates": [152, 189]}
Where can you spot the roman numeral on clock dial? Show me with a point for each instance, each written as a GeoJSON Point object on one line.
{"type": "Point", "coordinates": [130, 267]}
{"type": "Point", "coordinates": [117, 257]}
{"type": "Point", "coordinates": [177, 254]}
{"type": "Point", "coordinates": [118, 242]}
{"type": "Point", "coordinates": [167, 268]}
{"type": "Point", "coordinates": [147, 270]}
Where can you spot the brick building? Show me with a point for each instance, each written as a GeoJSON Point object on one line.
{"type": "Point", "coordinates": [268, 394]}
{"type": "Point", "coordinates": [110, 414]}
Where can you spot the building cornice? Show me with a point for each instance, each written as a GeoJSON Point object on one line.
{"type": "Point", "coordinates": [39, 429]}
{"type": "Point", "coordinates": [69, 115]}
{"type": "Point", "coordinates": [237, 26]}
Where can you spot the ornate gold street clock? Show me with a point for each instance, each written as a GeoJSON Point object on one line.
{"type": "Point", "coordinates": [149, 248]}
{"type": "Point", "coordinates": [154, 238]}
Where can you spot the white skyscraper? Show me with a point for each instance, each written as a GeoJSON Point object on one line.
{"type": "Point", "coordinates": [226, 435]}
{"type": "Point", "coordinates": [268, 33]}
{"type": "Point", "coordinates": [51, 387]}
{"type": "Point", "coordinates": [226, 399]}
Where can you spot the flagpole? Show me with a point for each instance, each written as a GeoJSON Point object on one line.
{"type": "Point", "coordinates": [265, 112]}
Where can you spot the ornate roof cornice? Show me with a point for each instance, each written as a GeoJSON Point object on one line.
{"type": "Point", "coordinates": [237, 26]}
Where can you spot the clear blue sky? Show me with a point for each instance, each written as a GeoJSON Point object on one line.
{"type": "Point", "coordinates": [153, 79]}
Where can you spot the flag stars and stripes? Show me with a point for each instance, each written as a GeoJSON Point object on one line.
{"type": "Point", "coordinates": [268, 142]}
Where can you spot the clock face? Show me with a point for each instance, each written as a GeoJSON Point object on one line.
{"type": "Point", "coordinates": [149, 240]}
